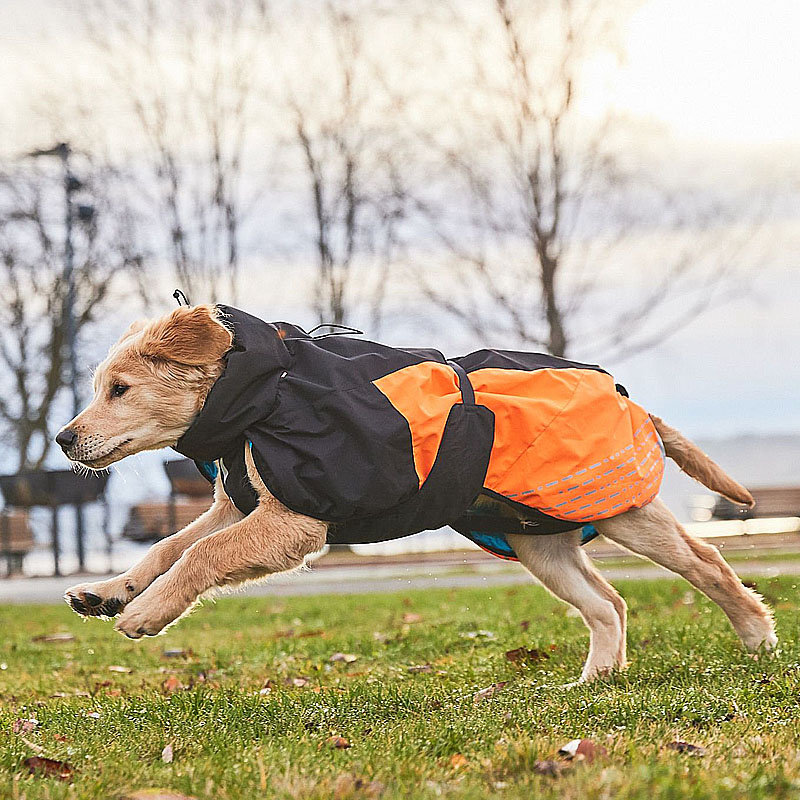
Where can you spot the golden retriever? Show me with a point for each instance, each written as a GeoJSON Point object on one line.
{"type": "Point", "coordinates": [153, 383]}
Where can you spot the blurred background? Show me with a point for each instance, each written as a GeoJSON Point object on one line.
{"type": "Point", "coordinates": [615, 181]}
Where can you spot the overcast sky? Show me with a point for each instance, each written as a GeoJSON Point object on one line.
{"type": "Point", "coordinates": [718, 79]}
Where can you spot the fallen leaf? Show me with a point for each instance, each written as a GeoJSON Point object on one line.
{"type": "Point", "coordinates": [24, 725]}
{"type": "Point", "coordinates": [419, 668]}
{"type": "Point", "coordinates": [54, 638]}
{"type": "Point", "coordinates": [488, 692]}
{"type": "Point", "coordinates": [685, 747]}
{"type": "Point", "coordinates": [172, 684]}
{"type": "Point", "coordinates": [338, 742]}
{"type": "Point", "coordinates": [410, 618]}
{"type": "Point", "coordinates": [118, 668]}
{"type": "Point", "coordinates": [93, 714]}
{"type": "Point", "coordinates": [551, 768]}
{"type": "Point", "coordinates": [457, 761]}
{"type": "Point", "coordinates": [297, 682]}
{"type": "Point", "coordinates": [522, 654]}
{"type": "Point", "coordinates": [167, 754]}
{"type": "Point", "coordinates": [155, 794]}
{"type": "Point", "coordinates": [347, 658]}
{"type": "Point", "coordinates": [583, 750]}
{"type": "Point", "coordinates": [49, 768]}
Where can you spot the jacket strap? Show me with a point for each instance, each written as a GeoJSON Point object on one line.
{"type": "Point", "coordinates": [467, 392]}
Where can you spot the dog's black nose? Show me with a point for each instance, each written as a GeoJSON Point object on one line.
{"type": "Point", "coordinates": [66, 439]}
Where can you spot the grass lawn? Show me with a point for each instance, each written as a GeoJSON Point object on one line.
{"type": "Point", "coordinates": [400, 720]}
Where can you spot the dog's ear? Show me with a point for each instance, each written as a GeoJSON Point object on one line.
{"type": "Point", "coordinates": [135, 327]}
{"type": "Point", "coordinates": [189, 335]}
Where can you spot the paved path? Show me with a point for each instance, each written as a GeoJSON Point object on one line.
{"type": "Point", "coordinates": [368, 578]}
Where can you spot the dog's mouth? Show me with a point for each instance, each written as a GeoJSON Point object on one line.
{"type": "Point", "coordinates": [104, 460]}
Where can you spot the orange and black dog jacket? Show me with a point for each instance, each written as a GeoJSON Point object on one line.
{"type": "Point", "coordinates": [384, 442]}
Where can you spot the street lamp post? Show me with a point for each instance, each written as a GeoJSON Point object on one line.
{"type": "Point", "coordinates": [71, 185]}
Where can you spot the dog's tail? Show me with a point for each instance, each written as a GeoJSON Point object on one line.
{"type": "Point", "coordinates": [694, 462]}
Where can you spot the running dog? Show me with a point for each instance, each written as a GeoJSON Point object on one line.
{"type": "Point", "coordinates": [337, 439]}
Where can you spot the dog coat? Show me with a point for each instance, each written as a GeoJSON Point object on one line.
{"type": "Point", "coordinates": [384, 442]}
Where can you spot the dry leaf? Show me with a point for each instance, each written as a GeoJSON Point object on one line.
{"type": "Point", "coordinates": [118, 668]}
{"type": "Point", "coordinates": [155, 794]}
{"type": "Point", "coordinates": [685, 747]}
{"type": "Point", "coordinates": [420, 668]}
{"type": "Point", "coordinates": [347, 658]}
{"type": "Point", "coordinates": [583, 750]}
{"type": "Point", "coordinates": [488, 692]}
{"type": "Point", "coordinates": [338, 742]}
{"type": "Point", "coordinates": [93, 714]}
{"type": "Point", "coordinates": [522, 654]}
{"type": "Point", "coordinates": [172, 684]}
{"type": "Point", "coordinates": [457, 761]}
{"type": "Point", "coordinates": [24, 725]}
{"type": "Point", "coordinates": [167, 754]}
{"type": "Point", "coordinates": [54, 638]}
{"type": "Point", "coordinates": [297, 682]}
{"type": "Point", "coordinates": [49, 768]}
{"type": "Point", "coordinates": [410, 617]}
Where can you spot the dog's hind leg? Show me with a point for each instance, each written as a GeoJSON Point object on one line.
{"type": "Point", "coordinates": [107, 598]}
{"type": "Point", "coordinates": [654, 532]}
{"type": "Point", "coordinates": [564, 568]}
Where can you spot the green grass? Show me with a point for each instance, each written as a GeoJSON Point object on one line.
{"type": "Point", "coordinates": [411, 734]}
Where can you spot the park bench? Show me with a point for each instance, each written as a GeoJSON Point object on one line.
{"type": "Point", "coordinates": [16, 539]}
{"type": "Point", "coordinates": [52, 489]}
{"type": "Point", "coordinates": [190, 495]}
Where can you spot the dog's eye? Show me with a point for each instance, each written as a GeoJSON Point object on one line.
{"type": "Point", "coordinates": [119, 389]}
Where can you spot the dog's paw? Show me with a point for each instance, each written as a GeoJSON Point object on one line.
{"type": "Point", "coordinates": [101, 599]}
{"type": "Point", "coordinates": [151, 613]}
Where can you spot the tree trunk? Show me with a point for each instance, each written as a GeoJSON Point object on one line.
{"type": "Point", "coordinates": [556, 334]}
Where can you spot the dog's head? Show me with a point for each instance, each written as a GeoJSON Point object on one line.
{"type": "Point", "coordinates": [149, 388]}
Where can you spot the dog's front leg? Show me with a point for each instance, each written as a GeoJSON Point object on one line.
{"type": "Point", "coordinates": [107, 598]}
{"type": "Point", "coordinates": [271, 539]}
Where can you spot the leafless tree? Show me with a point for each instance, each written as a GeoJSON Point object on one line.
{"type": "Point", "coordinates": [189, 73]}
{"type": "Point", "coordinates": [341, 124]}
{"type": "Point", "coordinates": [538, 201]}
{"type": "Point", "coordinates": [108, 268]}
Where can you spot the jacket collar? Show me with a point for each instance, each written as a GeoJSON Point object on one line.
{"type": "Point", "coordinates": [244, 393]}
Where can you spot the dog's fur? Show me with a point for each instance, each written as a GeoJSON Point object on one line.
{"type": "Point", "coordinates": [169, 365]}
